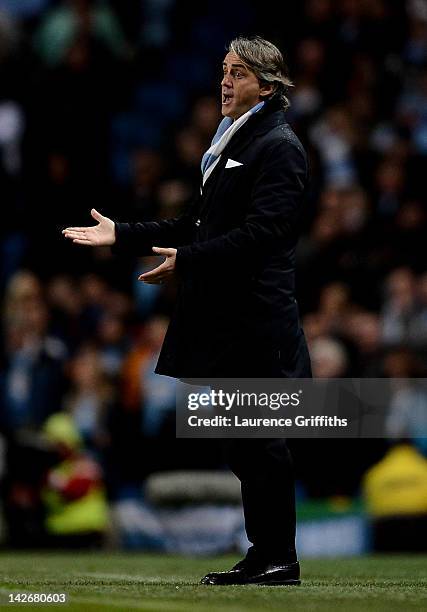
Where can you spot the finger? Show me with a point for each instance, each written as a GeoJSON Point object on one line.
{"type": "Point", "coordinates": [83, 241]}
{"type": "Point", "coordinates": [163, 251]}
{"type": "Point", "coordinates": [153, 273]}
{"type": "Point", "coordinates": [159, 279]}
{"type": "Point", "coordinates": [75, 235]}
{"type": "Point", "coordinates": [149, 277]}
{"type": "Point", "coordinates": [74, 229]}
{"type": "Point", "coordinates": [96, 215]}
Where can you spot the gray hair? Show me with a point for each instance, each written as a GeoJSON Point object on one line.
{"type": "Point", "coordinates": [267, 63]}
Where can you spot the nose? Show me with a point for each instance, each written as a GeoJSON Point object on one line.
{"type": "Point", "coordinates": [226, 81]}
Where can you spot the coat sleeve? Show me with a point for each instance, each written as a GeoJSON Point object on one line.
{"type": "Point", "coordinates": [272, 212]}
{"type": "Point", "coordinates": [138, 239]}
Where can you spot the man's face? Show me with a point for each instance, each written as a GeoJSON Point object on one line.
{"type": "Point", "coordinates": [240, 88]}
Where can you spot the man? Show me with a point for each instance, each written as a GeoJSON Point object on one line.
{"type": "Point", "coordinates": [236, 314]}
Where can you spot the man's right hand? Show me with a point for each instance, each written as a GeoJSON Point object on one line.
{"type": "Point", "coordinates": [102, 234]}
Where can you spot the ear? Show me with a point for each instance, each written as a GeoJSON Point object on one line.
{"type": "Point", "coordinates": [266, 89]}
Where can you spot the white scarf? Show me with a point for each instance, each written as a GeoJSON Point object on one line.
{"type": "Point", "coordinates": [225, 132]}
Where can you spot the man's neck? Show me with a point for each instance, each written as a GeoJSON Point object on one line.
{"type": "Point", "coordinates": [249, 109]}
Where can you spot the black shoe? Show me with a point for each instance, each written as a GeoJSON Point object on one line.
{"type": "Point", "coordinates": [250, 573]}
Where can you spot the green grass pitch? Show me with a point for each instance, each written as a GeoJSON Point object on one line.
{"type": "Point", "coordinates": [108, 581]}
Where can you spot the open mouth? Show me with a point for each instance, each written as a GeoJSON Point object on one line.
{"type": "Point", "coordinates": [226, 98]}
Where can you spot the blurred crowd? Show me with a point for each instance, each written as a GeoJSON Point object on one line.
{"type": "Point", "coordinates": [111, 105]}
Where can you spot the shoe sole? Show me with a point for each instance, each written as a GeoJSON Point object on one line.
{"type": "Point", "coordinates": [265, 583]}
{"type": "Point", "coordinates": [278, 583]}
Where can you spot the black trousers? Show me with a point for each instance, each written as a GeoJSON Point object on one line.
{"type": "Point", "coordinates": [264, 468]}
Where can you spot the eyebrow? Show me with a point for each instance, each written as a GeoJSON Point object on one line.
{"type": "Point", "coordinates": [235, 65]}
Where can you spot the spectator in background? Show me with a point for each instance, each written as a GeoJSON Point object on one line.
{"type": "Point", "coordinates": [32, 380]}
{"type": "Point", "coordinates": [395, 491]}
{"type": "Point", "coordinates": [157, 392]}
{"type": "Point", "coordinates": [334, 306]}
{"type": "Point", "coordinates": [113, 344]}
{"type": "Point", "coordinates": [407, 417]}
{"type": "Point", "coordinates": [138, 370]}
{"type": "Point", "coordinates": [95, 295]}
{"type": "Point", "coordinates": [66, 305]}
{"type": "Point", "coordinates": [64, 24]}
{"type": "Point", "coordinates": [76, 511]}
{"type": "Point", "coordinates": [363, 330]}
{"type": "Point", "coordinates": [398, 307]}
{"type": "Point", "coordinates": [307, 98]}
{"type": "Point", "coordinates": [412, 110]}
{"type": "Point", "coordinates": [404, 310]}
{"type": "Point", "coordinates": [90, 399]}
{"type": "Point", "coordinates": [334, 136]}
{"type": "Point", "coordinates": [328, 357]}
{"type": "Point", "coordinates": [390, 182]}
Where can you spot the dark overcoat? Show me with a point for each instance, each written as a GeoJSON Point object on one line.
{"type": "Point", "coordinates": [236, 314]}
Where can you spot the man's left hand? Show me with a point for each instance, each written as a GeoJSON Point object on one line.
{"type": "Point", "coordinates": [162, 272]}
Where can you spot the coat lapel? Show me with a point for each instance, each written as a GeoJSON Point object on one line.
{"type": "Point", "coordinates": [251, 130]}
{"type": "Point", "coordinates": [257, 125]}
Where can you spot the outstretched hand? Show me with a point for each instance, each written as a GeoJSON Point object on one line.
{"type": "Point", "coordinates": [102, 234]}
{"type": "Point", "coordinates": [162, 272]}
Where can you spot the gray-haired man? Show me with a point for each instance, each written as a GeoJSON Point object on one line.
{"type": "Point", "coordinates": [236, 316]}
